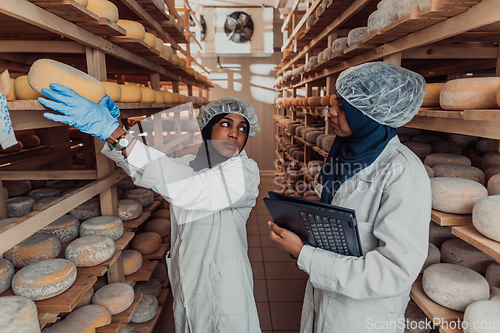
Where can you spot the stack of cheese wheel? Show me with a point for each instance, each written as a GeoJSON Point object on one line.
{"type": "Point", "coordinates": [113, 90]}
{"type": "Point", "coordinates": [106, 226]}
{"type": "Point", "coordinates": [144, 196]}
{"type": "Point", "coordinates": [46, 71]}
{"type": "Point", "coordinates": [18, 315]}
{"type": "Point", "coordinates": [88, 251]}
{"type": "Point", "coordinates": [83, 319]}
{"type": "Point", "coordinates": [103, 8]}
{"type": "Point", "coordinates": [117, 297]}
{"type": "Point", "coordinates": [35, 248]}
{"type": "Point", "coordinates": [130, 94]}
{"type": "Point", "coordinates": [44, 279]}
{"type": "Point", "coordinates": [134, 29]}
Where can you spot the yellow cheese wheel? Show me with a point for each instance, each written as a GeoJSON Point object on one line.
{"type": "Point", "coordinates": [183, 98]}
{"type": "Point", "coordinates": [23, 89]}
{"type": "Point", "coordinates": [177, 98]}
{"type": "Point", "coordinates": [471, 93]}
{"type": "Point", "coordinates": [130, 94]}
{"type": "Point", "coordinates": [18, 315]}
{"type": "Point", "coordinates": [44, 279]}
{"type": "Point", "coordinates": [190, 70]}
{"type": "Point", "coordinates": [134, 29]}
{"type": "Point", "coordinates": [5, 86]}
{"type": "Point", "coordinates": [113, 90]}
{"type": "Point", "coordinates": [103, 8]}
{"type": "Point", "coordinates": [160, 96]}
{"type": "Point", "coordinates": [146, 242]}
{"type": "Point", "coordinates": [432, 92]}
{"type": "Point", "coordinates": [107, 226]}
{"type": "Point", "coordinates": [167, 51]}
{"type": "Point", "coordinates": [82, 2]}
{"type": "Point", "coordinates": [314, 101]}
{"type": "Point", "coordinates": [82, 320]}
{"type": "Point", "coordinates": [35, 248]}
{"type": "Point", "coordinates": [325, 100]}
{"type": "Point", "coordinates": [12, 95]}
{"type": "Point", "coordinates": [160, 226]}
{"type": "Point", "coordinates": [182, 62]}
{"type": "Point", "coordinates": [46, 71]}
{"type": "Point", "coordinates": [88, 251]}
{"type": "Point", "coordinates": [158, 45]}
{"type": "Point", "coordinates": [117, 297]}
{"type": "Point", "coordinates": [6, 274]}
{"type": "Point", "coordinates": [132, 261]}
{"type": "Point", "coordinates": [169, 97]}
{"type": "Point", "coordinates": [148, 95]}
{"type": "Point", "coordinates": [175, 59]}
{"type": "Point", "coordinates": [150, 39]}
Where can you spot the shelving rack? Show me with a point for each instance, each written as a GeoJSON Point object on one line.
{"type": "Point", "coordinates": [65, 31]}
{"type": "Point", "coordinates": [441, 42]}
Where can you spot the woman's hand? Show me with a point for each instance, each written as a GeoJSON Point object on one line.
{"type": "Point", "coordinates": [285, 239]}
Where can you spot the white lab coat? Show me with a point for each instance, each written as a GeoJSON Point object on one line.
{"type": "Point", "coordinates": [208, 265]}
{"type": "Point", "coordinates": [392, 200]}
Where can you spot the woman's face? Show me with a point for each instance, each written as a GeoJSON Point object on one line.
{"type": "Point", "coordinates": [339, 121]}
{"type": "Point", "coordinates": [229, 134]}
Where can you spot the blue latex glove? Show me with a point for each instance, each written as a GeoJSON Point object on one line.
{"type": "Point", "coordinates": [94, 119]}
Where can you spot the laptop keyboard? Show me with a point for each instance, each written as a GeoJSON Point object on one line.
{"type": "Point", "coordinates": [328, 232]}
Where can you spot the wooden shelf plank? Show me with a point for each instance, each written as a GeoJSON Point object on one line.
{"type": "Point", "coordinates": [434, 311]}
{"type": "Point", "coordinates": [158, 255]}
{"type": "Point", "coordinates": [162, 299]}
{"type": "Point", "coordinates": [446, 219]}
{"type": "Point", "coordinates": [114, 327]}
{"type": "Point", "coordinates": [148, 326]}
{"type": "Point", "coordinates": [67, 9]}
{"type": "Point", "coordinates": [151, 208]}
{"type": "Point", "coordinates": [125, 316]}
{"type": "Point", "coordinates": [66, 301]}
{"type": "Point", "coordinates": [103, 27]}
{"type": "Point", "coordinates": [144, 273]}
{"type": "Point", "coordinates": [138, 221]}
{"type": "Point", "coordinates": [481, 242]}
{"type": "Point", "coordinates": [122, 242]}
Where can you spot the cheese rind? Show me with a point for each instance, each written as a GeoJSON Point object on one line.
{"type": "Point", "coordinates": [88, 251]}
{"type": "Point", "coordinates": [117, 297]}
{"type": "Point", "coordinates": [129, 209]}
{"type": "Point", "coordinates": [486, 217]}
{"type": "Point", "coordinates": [89, 209]}
{"type": "Point", "coordinates": [6, 274]}
{"type": "Point", "coordinates": [130, 94]}
{"type": "Point", "coordinates": [44, 193]}
{"type": "Point", "coordinates": [146, 309]}
{"type": "Point", "coordinates": [35, 248]}
{"type": "Point", "coordinates": [432, 92]}
{"type": "Point", "coordinates": [456, 195]}
{"type": "Point", "coordinates": [110, 226]}
{"type": "Point", "coordinates": [24, 91]}
{"type": "Point", "coordinates": [160, 226]}
{"type": "Point", "coordinates": [113, 90]}
{"type": "Point", "coordinates": [82, 320]}
{"type": "Point", "coordinates": [147, 95]}
{"type": "Point", "coordinates": [144, 196]}
{"type": "Point", "coordinates": [44, 279]}
{"type": "Point", "coordinates": [103, 8]}
{"type": "Point", "coordinates": [46, 71]}
{"type": "Point", "coordinates": [134, 29]}
{"type": "Point", "coordinates": [470, 93]}
{"type": "Point", "coordinates": [434, 159]}
{"type": "Point", "coordinates": [459, 171]}
{"type": "Point", "coordinates": [146, 242]}
{"type": "Point", "coordinates": [19, 206]}
{"type": "Point", "coordinates": [151, 287]}
{"type": "Point", "coordinates": [160, 272]}
{"type": "Point", "coordinates": [459, 252]}
{"type": "Point", "coordinates": [132, 261]}
{"type": "Point", "coordinates": [18, 315]}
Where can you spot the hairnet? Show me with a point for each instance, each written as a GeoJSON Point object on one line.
{"type": "Point", "coordinates": [389, 94]}
{"type": "Point", "coordinates": [230, 105]}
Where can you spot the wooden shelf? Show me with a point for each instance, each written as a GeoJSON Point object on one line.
{"type": "Point", "coordinates": [67, 9]}
{"type": "Point", "coordinates": [162, 299]}
{"type": "Point", "coordinates": [122, 242]}
{"type": "Point", "coordinates": [138, 221]}
{"type": "Point", "coordinates": [153, 206]}
{"type": "Point", "coordinates": [434, 311]}
{"type": "Point", "coordinates": [481, 242]}
{"type": "Point", "coordinates": [144, 273]}
{"type": "Point", "coordinates": [158, 255]}
{"type": "Point", "coordinates": [446, 219]}
{"type": "Point", "coordinates": [114, 327]}
{"type": "Point", "coordinates": [99, 270]}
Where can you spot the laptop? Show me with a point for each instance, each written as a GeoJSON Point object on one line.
{"type": "Point", "coordinates": [318, 224]}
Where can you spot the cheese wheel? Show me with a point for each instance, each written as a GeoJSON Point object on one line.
{"type": "Point", "coordinates": [161, 214]}
{"type": "Point", "coordinates": [177, 97]}
{"type": "Point", "coordinates": [43, 203]}
{"type": "Point", "coordinates": [453, 286]}
{"type": "Point", "coordinates": [83, 3]}
{"type": "Point", "coordinates": [486, 217]}
{"type": "Point", "coordinates": [327, 142]}
{"type": "Point", "coordinates": [117, 297]}
{"type": "Point", "coordinates": [24, 91]}
{"type": "Point", "coordinates": [432, 92]}
{"type": "Point", "coordinates": [134, 29]}
{"type": "Point", "coordinates": [463, 140]}
{"type": "Point", "coordinates": [167, 51]}
{"type": "Point", "coordinates": [29, 141]}
{"type": "Point", "coordinates": [146, 309]}
{"type": "Point", "coordinates": [379, 19]}
{"type": "Point", "coordinates": [18, 315]}
{"type": "Point", "coordinates": [356, 35]}
{"type": "Point", "coordinates": [439, 234]}
{"type": "Point", "coordinates": [160, 272]}
{"type": "Point", "coordinates": [151, 287]}
{"type": "Point", "coordinates": [160, 97]}
{"type": "Point", "coordinates": [144, 196]}
{"type": "Point", "coordinates": [491, 171]}
{"type": "Point", "coordinates": [44, 193]}
{"type": "Point", "coordinates": [482, 316]}
{"type": "Point", "coordinates": [470, 93]}
{"type": "Point", "coordinates": [183, 98]}
{"type": "Point", "coordinates": [103, 8]}
{"type": "Point", "coordinates": [113, 90]}
{"type": "Point", "coordinates": [106, 226]}
{"type": "Point", "coordinates": [125, 185]}
{"type": "Point", "coordinates": [160, 226]}
{"type": "Point", "coordinates": [44, 279]}
{"type": "Point", "coordinates": [175, 59]}
{"type": "Point", "coordinates": [459, 252]}
{"type": "Point", "coordinates": [314, 101]}
{"type": "Point", "coordinates": [493, 274]}
{"type": "Point", "coordinates": [63, 185]}
{"type": "Point", "coordinates": [17, 188]}
{"type": "Point", "coordinates": [147, 95]}
{"type": "Point", "coordinates": [158, 45]}
{"type": "Point", "coordinates": [12, 95]}
{"type": "Point", "coordinates": [311, 136]}
{"type": "Point", "coordinates": [132, 261]}
{"type": "Point", "coordinates": [130, 94]}
{"type": "Point", "coordinates": [325, 100]}
{"type": "Point", "coordinates": [129, 209]}
{"type": "Point", "coordinates": [169, 97]}
{"type": "Point", "coordinates": [86, 299]}
{"type": "Point", "coordinates": [6, 274]}
{"type": "Point", "coordinates": [489, 160]}
{"type": "Point", "coordinates": [88, 251]}
{"type": "Point", "coordinates": [459, 171]}
{"type": "Point", "coordinates": [150, 39]}
{"type": "Point", "coordinates": [146, 242]}
{"type": "Point", "coordinates": [35, 248]}
{"type": "Point", "coordinates": [19, 206]}
{"type": "Point", "coordinates": [82, 320]}
{"type": "Point", "coordinates": [445, 147]}
{"type": "Point", "coordinates": [456, 195]}
{"type": "Point", "coordinates": [46, 71]}
{"type": "Point", "coordinates": [89, 209]}
{"type": "Point", "coordinates": [433, 257]}
{"type": "Point", "coordinates": [421, 149]}
{"type": "Point", "coordinates": [494, 185]}
{"type": "Point", "coordinates": [434, 159]}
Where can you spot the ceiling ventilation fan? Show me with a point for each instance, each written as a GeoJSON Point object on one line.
{"type": "Point", "coordinates": [238, 27]}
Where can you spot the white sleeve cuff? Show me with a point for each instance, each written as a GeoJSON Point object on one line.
{"type": "Point", "coordinates": [305, 258]}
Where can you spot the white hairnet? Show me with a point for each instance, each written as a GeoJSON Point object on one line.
{"type": "Point", "coordinates": [388, 94]}
{"type": "Point", "coordinates": [230, 105]}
